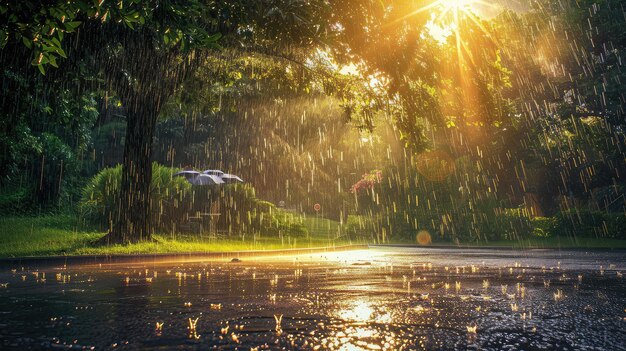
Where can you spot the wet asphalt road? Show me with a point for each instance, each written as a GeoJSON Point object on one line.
{"type": "Point", "coordinates": [378, 299]}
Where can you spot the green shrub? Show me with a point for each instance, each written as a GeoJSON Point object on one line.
{"type": "Point", "coordinates": [616, 225]}
{"type": "Point", "coordinates": [495, 224]}
{"type": "Point", "coordinates": [510, 224]}
{"type": "Point", "coordinates": [544, 227]}
{"type": "Point", "coordinates": [242, 212]}
{"type": "Point", "coordinates": [265, 206]}
{"type": "Point", "coordinates": [586, 223]}
{"type": "Point", "coordinates": [100, 196]}
{"type": "Point", "coordinates": [16, 200]}
{"type": "Point", "coordinates": [237, 206]}
{"type": "Point", "coordinates": [360, 226]}
{"type": "Point", "coordinates": [167, 193]}
{"type": "Point", "coordinates": [175, 200]}
{"type": "Point", "coordinates": [275, 222]}
{"type": "Point", "coordinates": [297, 230]}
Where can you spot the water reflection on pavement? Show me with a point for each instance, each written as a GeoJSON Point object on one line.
{"type": "Point", "coordinates": [379, 299]}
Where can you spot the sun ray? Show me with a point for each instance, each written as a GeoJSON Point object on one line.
{"type": "Point", "coordinates": [457, 34]}
{"type": "Point", "coordinates": [432, 5]}
{"type": "Point", "coordinates": [443, 14]}
{"type": "Point", "coordinates": [478, 23]}
{"type": "Point", "coordinates": [468, 52]}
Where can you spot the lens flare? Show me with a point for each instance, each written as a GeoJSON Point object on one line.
{"type": "Point", "coordinates": [435, 165]}
{"type": "Point", "coordinates": [424, 238]}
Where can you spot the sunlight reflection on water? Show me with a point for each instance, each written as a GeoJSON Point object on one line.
{"type": "Point", "coordinates": [404, 299]}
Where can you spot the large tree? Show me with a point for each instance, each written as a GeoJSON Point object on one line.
{"type": "Point", "coordinates": [144, 50]}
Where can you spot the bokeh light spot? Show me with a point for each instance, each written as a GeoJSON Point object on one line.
{"type": "Point", "coordinates": [435, 165]}
{"type": "Point", "coordinates": [423, 238]}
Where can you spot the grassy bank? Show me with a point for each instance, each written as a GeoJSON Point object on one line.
{"type": "Point", "coordinates": [65, 235]}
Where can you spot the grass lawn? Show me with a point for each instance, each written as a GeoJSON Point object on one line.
{"type": "Point", "coordinates": [45, 235]}
{"type": "Point", "coordinates": [65, 235]}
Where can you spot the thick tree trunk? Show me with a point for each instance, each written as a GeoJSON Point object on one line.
{"type": "Point", "coordinates": [143, 76]}
{"type": "Point", "coordinates": [143, 73]}
{"type": "Point", "coordinates": [133, 222]}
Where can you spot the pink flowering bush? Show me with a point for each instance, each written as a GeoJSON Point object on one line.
{"type": "Point", "coordinates": [367, 181]}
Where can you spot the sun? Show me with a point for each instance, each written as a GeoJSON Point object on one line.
{"type": "Point", "coordinates": [447, 15]}
{"type": "Point", "coordinates": [452, 11]}
{"type": "Point", "coordinates": [443, 8]}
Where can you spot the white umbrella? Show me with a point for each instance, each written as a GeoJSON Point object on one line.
{"type": "Point", "coordinates": [231, 178]}
{"type": "Point", "coordinates": [225, 177]}
{"type": "Point", "coordinates": [216, 172]}
{"type": "Point", "coordinates": [187, 174]}
{"type": "Point", "coordinates": [197, 178]}
{"type": "Point", "coordinates": [206, 179]}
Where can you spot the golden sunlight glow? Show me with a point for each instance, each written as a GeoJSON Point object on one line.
{"type": "Point", "coordinates": [457, 4]}
{"type": "Point", "coordinates": [444, 7]}
{"type": "Point", "coordinates": [438, 32]}
{"type": "Point", "coordinates": [446, 22]}
{"type": "Point", "coordinates": [469, 6]}
{"type": "Point", "coordinates": [351, 257]}
{"type": "Point", "coordinates": [446, 16]}
{"type": "Point", "coordinates": [360, 312]}
{"type": "Point", "coordinates": [353, 339]}
{"type": "Point", "coordinates": [350, 70]}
